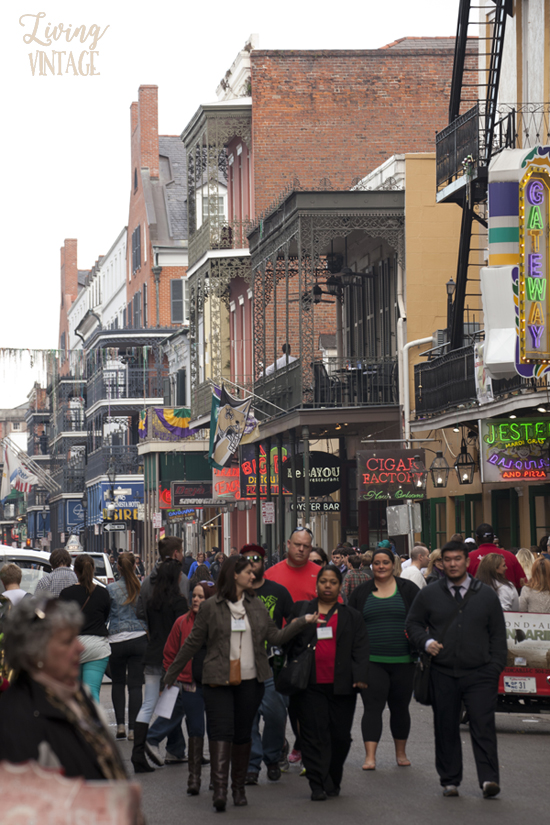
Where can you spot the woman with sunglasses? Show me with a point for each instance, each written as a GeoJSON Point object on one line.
{"type": "Point", "coordinates": [235, 626]}
{"type": "Point", "coordinates": [318, 557]}
{"type": "Point", "coordinates": [384, 602]}
{"type": "Point", "coordinates": [340, 667]}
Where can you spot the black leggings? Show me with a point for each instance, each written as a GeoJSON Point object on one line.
{"type": "Point", "coordinates": [391, 683]}
{"type": "Point", "coordinates": [230, 710]}
{"type": "Point", "coordinates": [127, 657]}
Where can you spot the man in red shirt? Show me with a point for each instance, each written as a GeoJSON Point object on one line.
{"type": "Point", "coordinates": [296, 572]}
{"type": "Point", "coordinates": [484, 537]}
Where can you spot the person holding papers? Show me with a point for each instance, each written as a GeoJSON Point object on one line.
{"type": "Point", "coordinates": [235, 626]}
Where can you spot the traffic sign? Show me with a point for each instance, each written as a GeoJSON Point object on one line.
{"type": "Point", "coordinates": [114, 527]}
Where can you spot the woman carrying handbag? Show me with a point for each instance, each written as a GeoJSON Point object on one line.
{"type": "Point", "coordinates": [235, 626]}
{"type": "Point", "coordinates": [338, 668]}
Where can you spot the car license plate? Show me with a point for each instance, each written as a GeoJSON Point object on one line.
{"type": "Point", "coordinates": [514, 685]}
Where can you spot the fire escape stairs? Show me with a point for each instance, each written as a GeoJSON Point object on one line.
{"type": "Point", "coordinates": [466, 77]}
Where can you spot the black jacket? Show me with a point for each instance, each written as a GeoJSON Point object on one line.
{"type": "Point", "coordinates": [352, 645]}
{"type": "Point", "coordinates": [27, 718]}
{"type": "Point", "coordinates": [408, 591]}
{"type": "Point", "coordinates": [476, 637]}
{"type": "Point", "coordinates": [160, 623]}
{"type": "Point", "coordinates": [146, 591]}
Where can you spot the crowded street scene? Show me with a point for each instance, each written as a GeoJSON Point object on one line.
{"type": "Point", "coordinates": [275, 494]}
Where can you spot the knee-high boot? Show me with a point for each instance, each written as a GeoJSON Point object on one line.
{"type": "Point", "coordinates": [220, 757]}
{"type": "Point", "coordinates": [139, 760]}
{"type": "Point", "coordinates": [195, 762]}
{"type": "Point", "coordinates": [240, 756]}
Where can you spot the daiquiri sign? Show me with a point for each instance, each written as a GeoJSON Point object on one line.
{"type": "Point", "coordinates": [515, 450]}
{"type": "Point", "coordinates": [390, 474]}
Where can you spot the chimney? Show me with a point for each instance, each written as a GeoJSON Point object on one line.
{"type": "Point", "coordinates": [148, 129]}
{"type": "Point", "coordinates": [133, 117]}
{"type": "Point", "coordinates": [69, 272]}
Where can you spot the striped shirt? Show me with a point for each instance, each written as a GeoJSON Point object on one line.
{"type": "Point", "coordinates": [385, 620]}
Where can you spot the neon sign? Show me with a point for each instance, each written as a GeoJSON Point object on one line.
{"type": "Point", "coordinates": [534, 330]}
{"type": "Point", "coordinates": [515, 450]}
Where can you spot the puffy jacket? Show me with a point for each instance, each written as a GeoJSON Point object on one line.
{"type": "Point", "coordinates": [122, 618]}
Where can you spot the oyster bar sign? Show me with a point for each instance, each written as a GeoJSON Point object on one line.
{"type": "Point", "coordinates": [390, 474]}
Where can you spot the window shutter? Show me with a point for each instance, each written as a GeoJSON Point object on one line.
{"type": "Point", "coordinates": [185, 291]}
{"type": "Point", "coordinates": [176, 301]}
{"type": "Point", "coordinates": [144, 306]}
{"type": "Point", "coordinates": [181, 388]}
{"type": "Point", "coordinates": [166, 392]}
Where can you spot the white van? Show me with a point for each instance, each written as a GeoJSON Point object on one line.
{"type": "Point", "coordinates": [103, 569]}
{"type": "Point", "coordinates": [33, 563]}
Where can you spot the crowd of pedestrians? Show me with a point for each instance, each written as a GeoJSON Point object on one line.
{"type": "Point", "coordinates": [248, 645]}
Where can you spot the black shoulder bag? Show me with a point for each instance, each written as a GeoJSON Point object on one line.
{"type": "Point", "coordinates": [421, 681]}
{"type": "Point", "coordinates": [295, 673]}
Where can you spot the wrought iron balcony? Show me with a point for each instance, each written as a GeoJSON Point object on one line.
{"type": "Point", "coordinates": [329, 383]}
{"type": "Point", "coordinates": [37, 497]}
{"type": "Point", "coordinates": [126, 383]}
{"type": "Point", "coordinates": [447, 382]}
{"type": "Point", "coordinates": [218, 234]}
{"type": "Point", "coordinates": [70, 474]}
{"type": "Point", "coordinates": [126, 460]}
{"type": "Point", "coordinates": [460, 147]}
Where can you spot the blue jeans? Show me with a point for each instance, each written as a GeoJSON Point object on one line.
{"type": "Point", "coordinates": [190, 705]}
{"type": "Point", "coordinates": [91, 674]}
{"type": "Point", "coordinates": [270, 744]}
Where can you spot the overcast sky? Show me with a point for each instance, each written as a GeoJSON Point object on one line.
{"type": "Point", "coordinates": [66, 140]}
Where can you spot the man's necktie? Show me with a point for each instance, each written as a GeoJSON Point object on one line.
{"type": "Point", "coordinates": [458, 594]}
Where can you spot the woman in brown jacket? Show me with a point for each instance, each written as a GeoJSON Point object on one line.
{"type": "Point", "coordinates": [235, 627]}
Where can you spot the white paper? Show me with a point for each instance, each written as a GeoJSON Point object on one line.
{"type": "Point", "coordinates": [324, 632]}
{"type": "Point", "coordinates": [166, 702]}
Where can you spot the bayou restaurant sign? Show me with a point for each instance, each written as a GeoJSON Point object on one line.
{"type": "Point", "coordinates": [515, 450]}
{"type": "Point", "coordinates": [390, 474]}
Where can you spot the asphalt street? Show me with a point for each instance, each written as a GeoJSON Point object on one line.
{"type": "Point", "coordinates": [408, 796]}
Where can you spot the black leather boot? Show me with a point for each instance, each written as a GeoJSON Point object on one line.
{"type": "Point", "coordinates": [139, 760]}
{"type": "Point", "coordinates": [240, 756]}
{"type": "Point", "coordinates": [220, 758]}
{"type": "Point", "coordinates": [195, 763]}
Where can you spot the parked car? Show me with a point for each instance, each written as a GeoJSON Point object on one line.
{"type": "Point", "coordinates": [33, 563]}
{"type": "Point", "coordinates": [103, 569]}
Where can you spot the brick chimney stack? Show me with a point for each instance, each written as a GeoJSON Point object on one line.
{"type": "Point", "coordinates": [148, 129]}
{"type": "Point", "coordinates": [133, 118]}
{"type": "Point", "coordinates": [69, 272]}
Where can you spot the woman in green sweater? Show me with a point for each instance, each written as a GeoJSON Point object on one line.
{"type": "Point", "coordinates": [384, 602]}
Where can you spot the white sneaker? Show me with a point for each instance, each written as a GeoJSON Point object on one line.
{"type": "Point", "coordinates": [170, 759]}
{"type": "Point", "coordinates": [154, 754]}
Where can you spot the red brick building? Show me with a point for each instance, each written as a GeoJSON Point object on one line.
{"type": "Point", "coordinates": [157, 222]}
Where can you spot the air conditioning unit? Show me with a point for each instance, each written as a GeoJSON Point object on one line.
{"type": "Point", "coordinates": [439, 338]}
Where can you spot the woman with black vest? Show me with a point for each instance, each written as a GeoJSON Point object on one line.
{"type": "Point", "coordinates": [384, 602]}
{"type": "Point", "coordinates": [340, 666]}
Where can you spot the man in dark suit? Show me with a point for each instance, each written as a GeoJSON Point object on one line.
{"type": "Point", "coordinates": [459, 622]}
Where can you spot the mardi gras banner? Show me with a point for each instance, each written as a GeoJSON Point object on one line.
{"type": "Point", "coordinates": [165, 424]}
{"type": "Point", "coordinates": [232, 422]}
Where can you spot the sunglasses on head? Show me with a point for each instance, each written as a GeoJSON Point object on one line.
{"type": "Point", "coordinates": [301, 530]}
{"type": "Point", "coordinates": [203, 581]}
{"type": "Point", "coordinates": [255, 557]}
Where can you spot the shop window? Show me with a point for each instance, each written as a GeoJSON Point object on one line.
{"type": "Point", "coordinates": [505, 517]}
{"type": "Point", "coordinates": [539, 512]}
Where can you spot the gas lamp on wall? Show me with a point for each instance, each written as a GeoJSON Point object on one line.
{"type": "Point", "coordinates": [465, 465]}
{"type": "Point", "coordinates": [439, 470]}
{"type": "Point", "coordinates": [420, 473]}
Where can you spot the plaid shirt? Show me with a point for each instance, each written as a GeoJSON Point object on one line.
{"type": "Point", "coordinates": [352, 579]}
{"type": "Point", "coordinates": [56, 581]}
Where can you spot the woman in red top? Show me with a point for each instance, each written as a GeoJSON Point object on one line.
{"type": "Point", "coordinates": [190, 702]}
{"type": "Point", "coordinates": [326, 708]}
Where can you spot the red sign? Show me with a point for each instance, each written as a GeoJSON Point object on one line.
{"type": "Point", "coordinates": [226, 483]}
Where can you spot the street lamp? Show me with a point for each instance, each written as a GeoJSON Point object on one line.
{"type": "Point", "coordinates": [439, 470]}
{"type": "Point", "coordinates": [465, 465]}
{"type": "Point", "coordinates": [420, 473]}
{"type": "Point", "coordinates": [451, 286]}
{"type": "Point", "coordinates": [111, 475]}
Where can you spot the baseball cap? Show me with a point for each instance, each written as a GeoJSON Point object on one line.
{"type": "Point", "coordinates": [251, 549]}
{"type": "Point", "coordinates": [384, 545]}
{"type": "Point", "coordinates": [470, 542]}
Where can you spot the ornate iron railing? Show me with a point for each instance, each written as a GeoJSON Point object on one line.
{"type": "Point", "coordinates": [446, 382]}
{"type": "Point", "coordinates": [460, 147]}
{"type": "Point", "coordinates": [126, 461]}
{"type": "Point", "coordinates": [69, 474]}
{"type": "Point", "coordinates": [218, 234]}
{"type": "Point", "coordinates": [127, 382]}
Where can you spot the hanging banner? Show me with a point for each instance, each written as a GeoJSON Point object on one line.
{"type": "Point", "coordinates": [232, 422]}
{"type": "Point", "coordinates": [390, 474]}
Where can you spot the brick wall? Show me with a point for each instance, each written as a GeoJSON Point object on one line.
{"type": "Point", "coordinates": [69, 288]}
{"type": "Point", "coordinates": [145, 155]}
{"type": "Point", "coordinates": [340, 114]}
